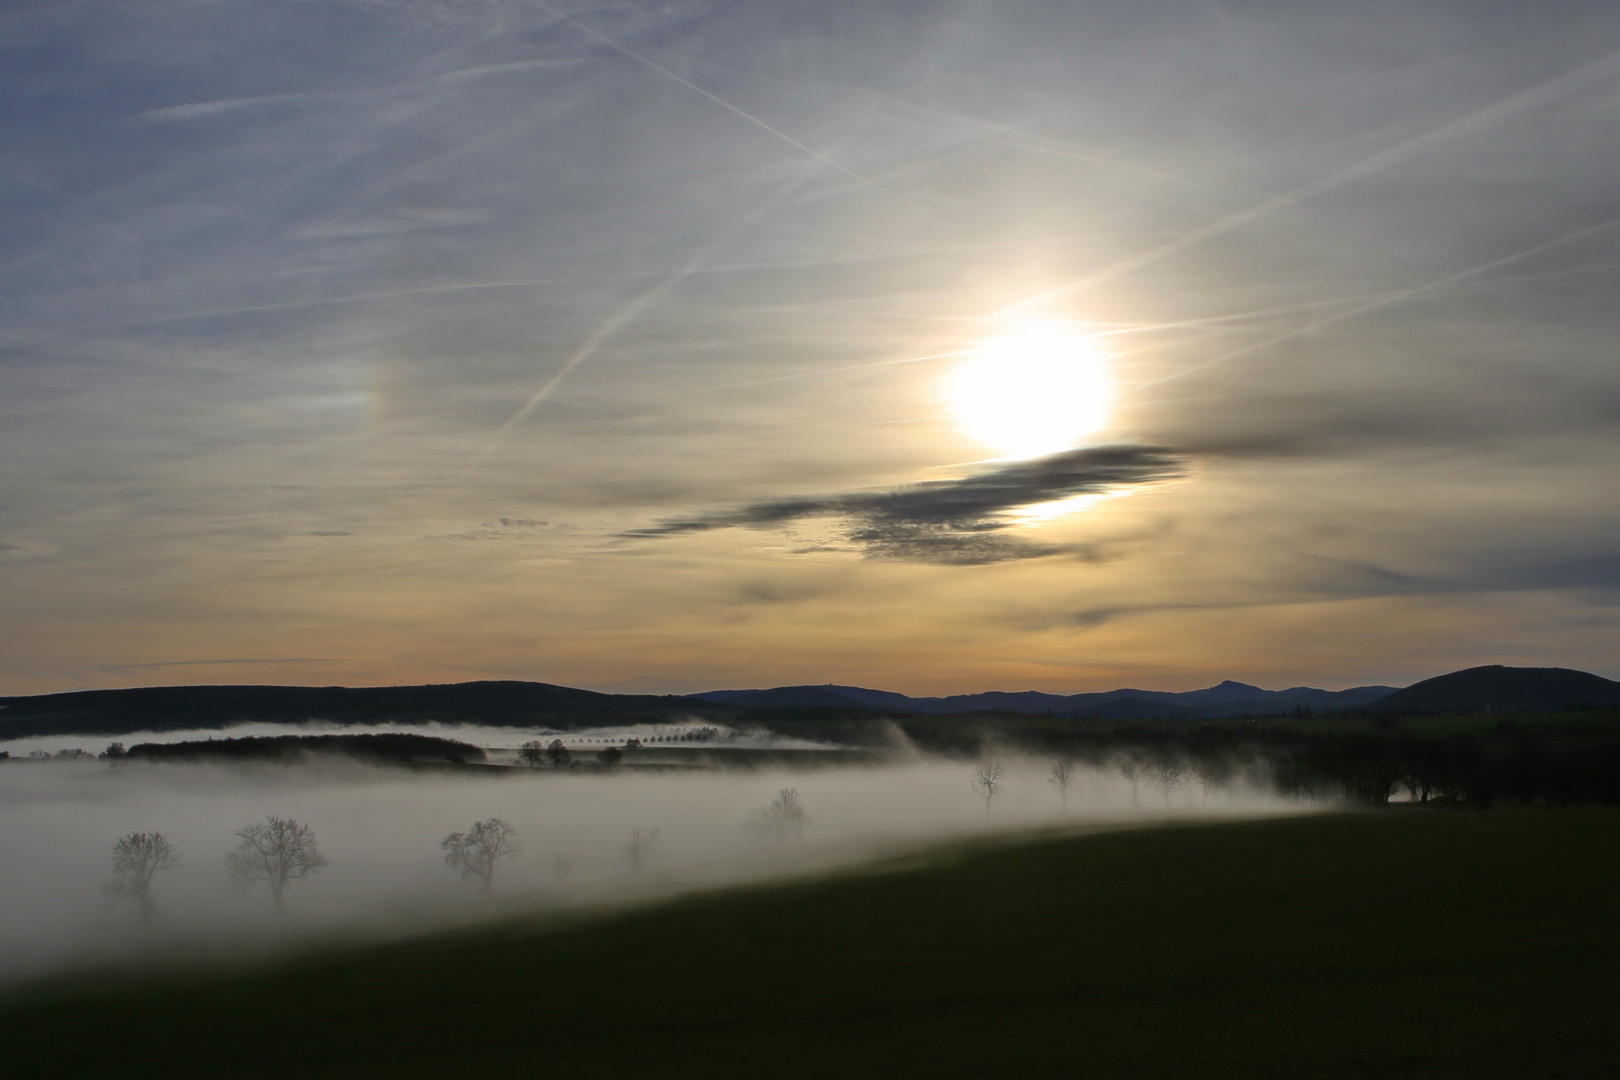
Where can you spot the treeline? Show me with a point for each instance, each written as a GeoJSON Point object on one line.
{"type": "Point", "coordinates": [1565, 764]}
{"type": "Point", "coordinates": [390, 749]}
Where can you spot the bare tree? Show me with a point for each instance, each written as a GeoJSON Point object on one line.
{"type": "Point", "coordinates": [532, 753]}
{"type": "Point", "coordinates": [563, 864]}
{"type": "Point", "coordinates": [1167, 774]}
{"type": "Point", "coordinates": [475, 851]}
{"type": "Point", "coordinates": [643, 846]}
{"type": "Point", "coordinates": [783, 817]}
{"type": "Point", "coordinates": [1132, 772]}
{"type": "Point", "coordinates": [278, 852]}
{"type": "Point", "coordinates": [987, 778]}
{"type": "Point", "coordinates": [136, 859]}
{"type": "Point", "coordinates": [609, 757]}
{"type": "Point", "coordinates": [1210, 772]}
{"type": "Point", "coordinates": [558, 755]}
{"type": "Point", "coordinates": [1062, 775]}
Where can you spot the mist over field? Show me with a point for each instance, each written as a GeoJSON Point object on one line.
{"type": "Point", "coordinates": [499, 742]}
{"type": "Point", "coordinates": [380, 828]}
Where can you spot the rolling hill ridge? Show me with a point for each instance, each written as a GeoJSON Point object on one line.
{"type": "Point", "coordinates": [531, 704]}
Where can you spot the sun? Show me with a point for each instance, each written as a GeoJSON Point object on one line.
{"type": "Point", "coordinates": [1033, 390]}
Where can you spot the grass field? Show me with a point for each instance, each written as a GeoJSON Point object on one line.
{"type": "Point", "coordinates": [1404, 943]}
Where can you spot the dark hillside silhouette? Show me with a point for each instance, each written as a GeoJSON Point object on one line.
{"type": "Point", "coordinates": [174, 708]}
{"type": "Point", "coordinates": [1225, 699]}
{"type": "Point", "coordinates": [1498, 689]}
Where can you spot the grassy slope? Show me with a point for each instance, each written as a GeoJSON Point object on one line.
{"type": "Point", "coordinates": [1422, 944]}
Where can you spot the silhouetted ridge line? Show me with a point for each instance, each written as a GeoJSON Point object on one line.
{"type": "Point", "coordinates": [1225, 699]}
{"type": "Point", "coordinates": [1495, 688]}
{"type": "Point", "coordinates": [178, 708]}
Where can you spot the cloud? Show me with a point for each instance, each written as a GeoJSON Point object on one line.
{"type": "Point", "coordinates": [410, 219]}
{"type": "Point", "coordinates": [192, 110]}
{"type": "Point", "coordinates": [154, 666]}
{"type": "Point", "coordinates": [953, 522]}
{"type": "Point", "coordinates": [24, 551]}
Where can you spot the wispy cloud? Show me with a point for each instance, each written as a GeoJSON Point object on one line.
{"type": "Point", "coordinates": [160, 664]}
{"type": "Point", "coordinates": [195, 109]}
{"type": "Point", "coordinates": [953, 522]}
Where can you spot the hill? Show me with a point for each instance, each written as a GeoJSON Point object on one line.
{"type": "Point", "coordinates": [177, 708]}
{"type": "Point", "coordinates": [1225, 699]}
{"type": "Point", "coordinates": [1327, 946]}
{"type": "Point", "coordinates": [1505, 689]}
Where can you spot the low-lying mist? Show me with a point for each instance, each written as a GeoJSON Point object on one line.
{"type": "Point", "coordinates": [380, 830]}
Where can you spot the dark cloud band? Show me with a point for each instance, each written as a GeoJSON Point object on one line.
{"type": "Point", "coordinates": [953, 522]}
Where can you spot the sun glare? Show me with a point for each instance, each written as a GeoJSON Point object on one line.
{"type": "Point", "coordinates": [1035, 390]}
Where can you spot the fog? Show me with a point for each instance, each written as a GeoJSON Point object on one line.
{"type": "Point", "coordinates": [498, 742]}
{"type": "Point", "coordinates": [380, 828]}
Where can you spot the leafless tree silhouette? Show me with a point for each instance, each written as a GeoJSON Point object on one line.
{"type": "Point", "coordinates": [278, 852]}
{"type": "Point", "coordinates": [1062, 775]}
{"type": "Point", "coordinates": [1131, 770]}
{"type": "Point", "coordinates": [784, 817]}
{"type": "Point", "coordinates": [1167, 774]}
{"type": "Point", "coordinates": [558, 755]}
{"type": "Point", "coordinates": [532, 753]}
{"type": "Point", "coordinates": [476, 851]}
{"type": "Point", "coordinates": [136, 859]}
{"type": "Point", "coordinates": [987, 778]}
{"type": "Point", "coordinates": [1210, 773]}
{"type": "Point", "coordinates": [643, 846]}
{"type": "Point", "coordinates": [563, 864]}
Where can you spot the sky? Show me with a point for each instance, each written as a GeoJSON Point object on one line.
{"type": "Point", "coordinates": [937, 347]}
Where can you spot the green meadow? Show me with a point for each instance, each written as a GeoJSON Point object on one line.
{"type": "Point", "coordinates": [1395, 943]}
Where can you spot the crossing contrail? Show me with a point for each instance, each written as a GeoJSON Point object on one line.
{"type": "Point", "coordinates": [1381, 302]}
{"type": "Point", "coordinates": [1511, 106]}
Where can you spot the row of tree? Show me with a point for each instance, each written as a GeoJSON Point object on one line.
{"type": "Point", "coordinates": [279, 851]}
{"type": "Point", "coordinates": [1562, 763]}
{"type": "Point", "coordinates": [1168, 773]}
{"type": "Point", "coordinates": [535, 753]}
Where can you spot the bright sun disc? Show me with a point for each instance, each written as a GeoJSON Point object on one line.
{"type": "Point", "coordinates": [1033, 391]}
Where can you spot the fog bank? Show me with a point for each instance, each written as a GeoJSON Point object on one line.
{"type": "Point", "coordinates": [381, 828]}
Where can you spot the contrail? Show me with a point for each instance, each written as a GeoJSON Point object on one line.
{"type": "Point", "coordinates": [1385, 301]}
{"type": "Point", "coordinates": [599, 336]}
{"type": "Point", "coordinates": [1480, 120]}
{"type": "Point", "coordinates": [592, 342]}
{"type": "Point", "coordinates": [696, 89]}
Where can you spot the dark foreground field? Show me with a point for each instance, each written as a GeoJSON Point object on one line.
{"type": "Point", "coordinates": [1402, 943]}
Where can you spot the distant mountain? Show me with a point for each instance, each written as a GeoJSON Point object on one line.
{"type": "Point", "coordinates": [1505, 689]}
{"type": "Point", "coordinates": [531, 704]}
{"type": "Point", "coordinates": [1226, 699]}
{"type": "Point", "coordinates": [805, 697]}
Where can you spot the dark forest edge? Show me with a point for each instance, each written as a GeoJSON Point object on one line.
{"type": "Point", "coordinates": [384, 749]}
{"type": "Point", "coordinates": [1569, 759]}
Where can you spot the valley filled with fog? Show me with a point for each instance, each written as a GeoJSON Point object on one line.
{"type": "Point", "coordinates": [587, 836]}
